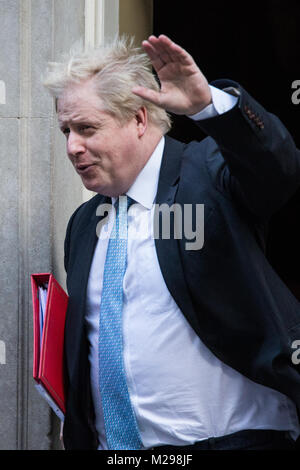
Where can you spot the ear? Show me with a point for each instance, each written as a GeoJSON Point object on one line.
{"type": "Point", "coordinates": [141, 118]}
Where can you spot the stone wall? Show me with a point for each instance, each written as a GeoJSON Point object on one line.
{"type": "Point", "coordinates": [37, 193]}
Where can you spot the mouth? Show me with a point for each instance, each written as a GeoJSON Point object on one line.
{"type": "Point", "coordinates": [83, 168]}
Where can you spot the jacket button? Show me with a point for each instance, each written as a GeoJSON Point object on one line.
{"type": "Point", "coordinates": [253, 117]}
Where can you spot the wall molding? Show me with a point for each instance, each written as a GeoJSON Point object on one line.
{"type": "Point", "coordinates": [101, 24]}
{"type": "Point", "coordinates": [24, 220]}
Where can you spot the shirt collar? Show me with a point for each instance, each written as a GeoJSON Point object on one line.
{"type": "Point", "coordinates": [144, 188]}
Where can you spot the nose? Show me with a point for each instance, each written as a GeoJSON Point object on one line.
{"type": "Point", "coordinates": [75, 144]}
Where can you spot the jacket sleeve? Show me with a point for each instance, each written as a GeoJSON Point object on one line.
{"type": "Point", "coordinates": [262, 166]}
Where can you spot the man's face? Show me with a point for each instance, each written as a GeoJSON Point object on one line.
{"type": "Point", "coordinates": [104, 152]}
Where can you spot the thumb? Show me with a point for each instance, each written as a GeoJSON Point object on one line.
{"type": "Point", "coordinates": [148, 94]}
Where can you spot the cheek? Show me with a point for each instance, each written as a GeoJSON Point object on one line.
{"type": "Point", "coordinates": [72, 160]}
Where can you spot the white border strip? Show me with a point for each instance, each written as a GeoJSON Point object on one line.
{"type": "Point", "coordinates": [94, 12]}
{"type": "Point", "coordinates": [2, 92]}
{"type": "Point", "coordinates": [2, 352]}
{"type": "Point", "coordinates": [99, 17]}
{"type": "Point", "coordinates": [94, 35]}
{"type": "Point", "coordinates": [89, 29]}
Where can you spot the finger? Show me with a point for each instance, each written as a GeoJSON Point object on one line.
{"type": "Point", "coordinates": [147, 94]}
{"type": "Point", "coordinates": [156, 61]}
{"type": "Point", "coordinates": [175, 51]}
{"type": "Point", "coordinates": [162, 49]}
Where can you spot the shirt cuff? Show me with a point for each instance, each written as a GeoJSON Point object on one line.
{"type": "Point", "coordinates": [221, 102]}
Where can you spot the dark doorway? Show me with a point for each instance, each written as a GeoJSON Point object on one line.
{"type": "Point", "coordinates": [256, 44]}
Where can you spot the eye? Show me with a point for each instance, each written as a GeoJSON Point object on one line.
{"type": "Point", "coordinates": [84, 128]}
{"type": "Point", "coordinates": [65, 131]}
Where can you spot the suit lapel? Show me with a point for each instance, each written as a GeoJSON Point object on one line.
{"type": "Point", "coordinates": [168, 250]}
{"type": "Point", "coordinates": [85, 247]}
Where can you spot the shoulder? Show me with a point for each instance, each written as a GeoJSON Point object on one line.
{"type": "Point", "coordinates": [205, 158]}
{"type": "Point", "coordinates": [80, 218]}
{"type": "Point", "coordinates": [82, 215]}
{"type": "Point", "coordinates": [196, 153]}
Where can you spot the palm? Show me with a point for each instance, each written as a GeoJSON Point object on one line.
{"type": "Point", "coordinates": [184, 89]}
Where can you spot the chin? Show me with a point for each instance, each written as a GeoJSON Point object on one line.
{"type": "Point", "coordinates": [94, 186]}
{"type": "Point", "coordinates": [105, 189]}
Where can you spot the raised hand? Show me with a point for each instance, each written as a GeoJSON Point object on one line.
{"type": "Point", "coordinates": [184, 88]}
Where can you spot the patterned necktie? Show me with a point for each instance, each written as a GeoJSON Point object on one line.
{"type": "Point", "coordinates": [119, 419]}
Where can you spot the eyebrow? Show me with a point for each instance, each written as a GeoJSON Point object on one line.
{"type": "Point", "coordinates": [80, 121]}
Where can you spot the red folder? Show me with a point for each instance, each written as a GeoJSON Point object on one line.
{"type": "Point", "coordinates": [48, 352]}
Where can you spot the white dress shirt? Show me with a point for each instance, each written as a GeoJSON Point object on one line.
{"type": "Point", "coordinates": [180, 392]}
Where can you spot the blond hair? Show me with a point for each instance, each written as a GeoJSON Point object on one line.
{"type": "Point", "coordinates": [116, 68]}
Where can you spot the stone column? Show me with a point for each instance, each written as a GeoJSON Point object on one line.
{"type": "Point", "coordinates": [32, 32]}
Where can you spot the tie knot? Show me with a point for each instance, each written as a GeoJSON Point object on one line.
{"type": "Point", "coordinates": [123, 202]}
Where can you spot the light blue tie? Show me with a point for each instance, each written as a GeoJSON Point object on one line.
{"type": "Point", "coordinates": [119, 419]}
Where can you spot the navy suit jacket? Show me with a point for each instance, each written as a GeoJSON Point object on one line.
{"type": "Point", "coordinates": [243, 173]}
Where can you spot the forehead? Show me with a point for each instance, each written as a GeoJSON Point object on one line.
{"type": "Point", "coordinates": [79, 101]}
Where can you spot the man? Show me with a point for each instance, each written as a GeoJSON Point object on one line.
{"type": "Point", "coordinates": [170, 345]}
